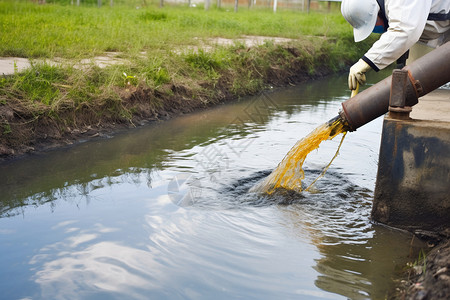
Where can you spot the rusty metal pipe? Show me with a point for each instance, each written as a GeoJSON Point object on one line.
{"type": "Point", "coordinates": [429, 72]}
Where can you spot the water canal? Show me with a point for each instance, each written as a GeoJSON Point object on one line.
{"type": "Point", "coordinates": [163, 212]}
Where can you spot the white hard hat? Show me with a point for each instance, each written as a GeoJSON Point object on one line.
{"type": "Point", "coordinates": [362, 15]}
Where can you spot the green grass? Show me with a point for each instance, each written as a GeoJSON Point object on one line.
{"type": "Point", "coordinates": [31, 30]}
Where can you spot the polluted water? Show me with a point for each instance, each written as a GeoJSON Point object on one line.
{"type": "Point", "coordinates": [288, 175]}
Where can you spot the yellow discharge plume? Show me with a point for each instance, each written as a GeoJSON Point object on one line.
{"type": "Point", "coordinates": [289, 173]}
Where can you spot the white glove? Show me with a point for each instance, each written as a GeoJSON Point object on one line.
{"type": "Point", "coordinates": [357, 74]}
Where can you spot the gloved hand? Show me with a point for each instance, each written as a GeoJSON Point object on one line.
{"type": "Point", "coordinates": [357, 74]}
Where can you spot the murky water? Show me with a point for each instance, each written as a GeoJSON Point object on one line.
{"type": "Point", "coordinates": [163, 212]}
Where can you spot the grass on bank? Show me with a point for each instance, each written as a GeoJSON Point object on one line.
{"type": "Point", "coordinates": [31, 30]}
{"type": "Point", "coordinates": [162, 48]}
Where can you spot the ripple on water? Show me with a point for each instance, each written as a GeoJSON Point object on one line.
{"type": "Point", "coordinates": [334, 218]}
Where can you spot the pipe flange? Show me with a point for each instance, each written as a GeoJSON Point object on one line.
{"type": "Point", "coordinates": [405, 109]}
{"type": "Point", "coordinates": [400, 113]}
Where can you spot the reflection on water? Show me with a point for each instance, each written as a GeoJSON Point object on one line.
{"type": "Point", "coordinates": [164, 212]}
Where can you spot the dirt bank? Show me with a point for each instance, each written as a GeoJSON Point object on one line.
{"type": "Point", "coordinates": [428, 278]}
{"type": "Point", "coordinates": [29, 125]}
{"type": "Point", "coordinates": [28, 134]}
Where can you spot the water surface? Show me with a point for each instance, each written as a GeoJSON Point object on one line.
{"type": "Point", "coordinates": [163, 211]}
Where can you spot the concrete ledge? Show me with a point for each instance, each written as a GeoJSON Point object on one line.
{"type": "Point", "coordinates": [433, 107]}
{"type": "Point", "coordinates": [413, 181]}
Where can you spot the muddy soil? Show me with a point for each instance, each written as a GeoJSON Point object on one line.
{"type": "Point", "coordinates": [26, 134]}
{"type": "Point", "coordinates": [429, 279]}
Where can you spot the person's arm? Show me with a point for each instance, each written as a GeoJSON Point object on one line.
{"type": "Point", "coordinates": [407, 20]}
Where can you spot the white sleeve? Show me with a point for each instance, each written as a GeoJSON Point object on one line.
{"type": "Point", "coordinates": [407, 20]}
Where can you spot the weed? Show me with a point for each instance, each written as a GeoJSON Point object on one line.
{"type": "Point", "coordinates": [154, 71]}
{"type": "Point", "coordinates": [6, 128]}
{"type": "Point", "coordinates": [203, 60]}
{"type": "Point", "coordinates": [129, 79]}
{"type": "Point", "coordinates": [39, 82]}
{"type": "Point", "coordinates": [2, 85]}
{"type": "Point", "coordinates": [160, 76]}
{"type": "Point", "coordinates": [419, 266]}
{"type": "Point", "coordinates": [149, 16]}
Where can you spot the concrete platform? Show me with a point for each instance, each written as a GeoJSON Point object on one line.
{"type": "Point", "coordinates": [433, 107]}
{"type": "Point", "coordinates": [413, 181]}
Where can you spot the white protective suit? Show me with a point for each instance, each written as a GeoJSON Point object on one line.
{"type": "Point", "coordinates": [408, 25]}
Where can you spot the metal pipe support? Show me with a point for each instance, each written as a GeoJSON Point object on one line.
{"type": "Point", "coordinates": [425, 75]}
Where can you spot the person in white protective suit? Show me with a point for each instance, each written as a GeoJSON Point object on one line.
{"type": "Point", "coordinates": [402, 24]}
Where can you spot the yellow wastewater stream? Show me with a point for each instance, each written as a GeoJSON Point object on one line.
{"type": "Point", "coordinates": [289, 173]}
